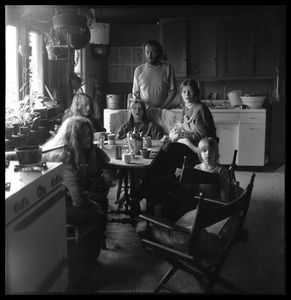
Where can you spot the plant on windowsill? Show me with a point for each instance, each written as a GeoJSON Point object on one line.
{"type": "Point", "coordinates": [23, 117]}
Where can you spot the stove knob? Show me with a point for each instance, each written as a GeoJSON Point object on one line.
{"type": "Point", "coordinates": [59, 178]}
{"type": "Point", "coordinates": [54, 182]}
{"type": "Point", "coordinates": [41, 191]}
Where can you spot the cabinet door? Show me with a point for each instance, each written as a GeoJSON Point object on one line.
{"type": "Point", "coordinates": [174, 41]}
{"type": "Point", "coordinates": [251, 150]}
{"type": "Point", "coordinates": [228, 141]}
{"type": "Point", "coordinates": [265, 47]}
{"type": "Point", "coordinates": [235, 48]}
{"type": "Point", "coordinates": [203, 45]}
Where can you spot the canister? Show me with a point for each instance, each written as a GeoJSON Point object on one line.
{"type": "Point", "coordinates": [118, 152]}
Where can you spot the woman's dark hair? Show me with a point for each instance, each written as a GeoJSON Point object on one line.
{"type": "Point", "coordinates": [193, 84]}
{"type": "Point", "coordinates": [161, 55]}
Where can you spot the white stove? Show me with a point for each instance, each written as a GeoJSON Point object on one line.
{"type": "Point", "coordinates": [35, 230]}
{"type": "Point", "coordinates": [28, 187]}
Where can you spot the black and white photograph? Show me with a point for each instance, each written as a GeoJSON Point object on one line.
{"type": "Point", "coordinates": [145, 149]}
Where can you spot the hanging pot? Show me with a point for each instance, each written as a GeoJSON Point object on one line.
{"type": "Point", "coordinates": [79, 40]}
{"type": "Point", "coordinates": [25, 50]}
{"type": "Point", "coordinates": [70, 23]}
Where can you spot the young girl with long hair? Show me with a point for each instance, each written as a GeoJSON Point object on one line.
{"type": "Point", "coordinates": [86, 199]}
{"type": "Point", "coordinates": [83, 106]}
{"type": "Point", "coordinates": [138, 120]}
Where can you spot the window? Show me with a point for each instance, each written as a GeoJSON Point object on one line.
{"type": "Point", "coordinates": [15, 64]}
{"type": "Point", "coordinates": [12, 86]}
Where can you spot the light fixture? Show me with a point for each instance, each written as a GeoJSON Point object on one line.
{"type": "Point", "coordinates": [99, 31]}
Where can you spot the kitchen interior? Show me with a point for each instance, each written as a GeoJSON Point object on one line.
{"type": "Point", "coordinates": [224, 47]}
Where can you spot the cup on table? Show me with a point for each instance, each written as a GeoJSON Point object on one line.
{"type": "Point", "coordinates": [145, 153]}
{"type": "Point", "coordinates": [126, 157]}
{"type": "Point", "coordinates": [98, 135]}
{"type": "Point", "coordinates": [111, 139]}
{"type": "Point", "coordinates": [147, 141]}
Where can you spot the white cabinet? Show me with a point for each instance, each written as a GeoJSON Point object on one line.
{"type": "Point", "coordinates": [251, 144]}
{"type": "Point", "coordinates": [245, 131]}
{"type": "Point", "coordinates": [227, 130]}
{"type": "Point", "coordinates": [228, 140]}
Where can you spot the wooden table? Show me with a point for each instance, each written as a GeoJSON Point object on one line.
{"type": "Point", "coordinates": [127, 174]}
{"type": "Point", "coordinates": [136, 163]}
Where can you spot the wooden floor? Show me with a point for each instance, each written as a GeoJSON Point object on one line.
{"type": "Point", "coordinates": [257, 266]}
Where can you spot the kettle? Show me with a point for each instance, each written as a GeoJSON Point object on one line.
{"type": "Point", "coordinates": [135, 141]}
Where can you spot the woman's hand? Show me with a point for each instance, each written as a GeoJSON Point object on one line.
{"type": "Point", "coordinates": [178, 172]}
{"type": "Point", "coordinates": [174, 134]}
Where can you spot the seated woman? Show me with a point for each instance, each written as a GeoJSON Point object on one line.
{"type": "Point", "coordinates": [83, 106]}
{"type": "Point", "coordinates": [196, 123]}
{"type": "Point", "coordinates": [138, 121]}
{"type": "Point", "coordinates": [86, 200]}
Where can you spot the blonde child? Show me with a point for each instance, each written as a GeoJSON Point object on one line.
{"type": "Point", "coordinates": [208, 154]}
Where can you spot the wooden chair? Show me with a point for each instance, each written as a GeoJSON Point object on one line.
{"type": "Point", "coordinates": [204, 253]}
{"type": "Point", "coordinates": [216, 227]}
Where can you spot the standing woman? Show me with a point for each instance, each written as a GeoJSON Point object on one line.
{"type": "Point", "coordinates": [83, 106]}
{"type": "Point", "coordinates": [86, 202]}
{"type": "Point", "coordinates": [138, 120]}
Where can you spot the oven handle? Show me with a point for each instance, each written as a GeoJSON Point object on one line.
{"type": "Point", "coordinates": [40, 211]}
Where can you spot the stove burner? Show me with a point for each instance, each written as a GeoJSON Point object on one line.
{"type": "Point", "coordinates": [31, 168]}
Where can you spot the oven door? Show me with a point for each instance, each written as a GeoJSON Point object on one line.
{"type": "Point", "coordinates": [36, 248]}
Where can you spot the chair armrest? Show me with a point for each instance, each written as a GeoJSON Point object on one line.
{"type": "Point", "coordinates": [163, 223]}
{"type": "Point", "coordinates": [154, 245]}
{"type": "Point", "coordinates": [211, 201]}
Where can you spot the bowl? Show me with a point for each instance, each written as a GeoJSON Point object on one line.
{"type": "Point", "coordinates": [253, 102]}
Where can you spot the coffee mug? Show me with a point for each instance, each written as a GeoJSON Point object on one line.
{"type": "Point", "coordinates": [98, 135]}
{"type": "Point", "coordinates": [145, 153]}
{"type": "Point", "coordinates": [111, 139]}
{"type": "Point", "coordinates": [126, 157]}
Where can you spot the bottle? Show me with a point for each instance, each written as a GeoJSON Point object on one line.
{"type": "Point", "coordinates": [101, 143]}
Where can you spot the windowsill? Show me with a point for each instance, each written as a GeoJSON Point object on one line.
{"type": "Point", "coordinates": [36, 137]}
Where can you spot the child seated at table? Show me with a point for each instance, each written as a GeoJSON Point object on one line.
{"type": "Point", "coordinates": [138, 120]}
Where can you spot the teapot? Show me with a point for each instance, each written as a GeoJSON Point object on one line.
{"type": "Point", "coordinates": [135, 141]}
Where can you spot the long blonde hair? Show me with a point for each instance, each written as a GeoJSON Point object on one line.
{"type": "Point", "coordinates": [77, 103]}
{"type": "Point", "coordinates": [69, 134]}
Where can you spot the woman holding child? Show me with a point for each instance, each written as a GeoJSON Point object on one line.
{"type": "Point", "coordinates": [196, 123]}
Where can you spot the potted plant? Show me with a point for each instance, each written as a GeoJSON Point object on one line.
{"type": "Point", "coordinates": [23, 117]}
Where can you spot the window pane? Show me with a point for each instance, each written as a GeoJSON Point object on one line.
{"type": "Point", "coordinates": [36, 63]}
{"type": "Point", "coordinates": [11, 97]}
